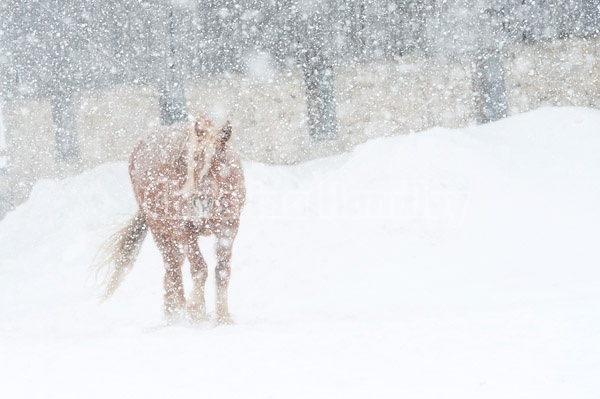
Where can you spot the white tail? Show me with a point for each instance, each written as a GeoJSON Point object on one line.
{"type": "Point", "coordinates": [119, 252]}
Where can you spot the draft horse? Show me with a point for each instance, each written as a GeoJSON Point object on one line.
{"type": "Point", "coordinates": [188, 182]}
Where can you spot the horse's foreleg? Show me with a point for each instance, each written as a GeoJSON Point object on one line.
{"type": "Point", "coordinates": [196, 304]}
{"type": "Point", "coordinates": [223, 274]}
{"type": "Point", "coordinates": [174, 300]}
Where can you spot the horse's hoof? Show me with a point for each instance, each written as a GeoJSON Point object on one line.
{"type": "Point", "coordinates": [223, 320]}
{"type": "Point", "coordinates": [197, 314]}
{"type": "Point", "coordinates": [174, 315]}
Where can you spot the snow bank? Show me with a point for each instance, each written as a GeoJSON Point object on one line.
{"type": "Point", "coordinates": [449, 263]}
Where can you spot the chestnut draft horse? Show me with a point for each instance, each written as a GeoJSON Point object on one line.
{"type": "Point", "coordinates": [188, 181]}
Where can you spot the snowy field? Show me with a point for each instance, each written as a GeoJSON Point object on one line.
{"type": "Point", "coordinates": [445, 264]}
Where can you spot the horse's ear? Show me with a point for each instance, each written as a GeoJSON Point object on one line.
{"type": "Point", "coordinates": [226, 132]}
{"type": "Point", "coordinates": [201, 125]}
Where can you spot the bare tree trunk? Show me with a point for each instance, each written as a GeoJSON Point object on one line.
{"type": "Point", "coordinates": [171, 92]}
{"type": "Point", "coordinates": [316, 58]}
{"type": "Point", "coordinates": [63, 115]}
{"type": "Point", "coordinates": [171, 100]}
{"type": "Point", "coordinates": [320, 98]}
{"type": "Point", "coordinates": [489, 87]}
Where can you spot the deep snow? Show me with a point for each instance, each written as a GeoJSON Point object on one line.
{"type": "Point", "coordinates": [444, 264]}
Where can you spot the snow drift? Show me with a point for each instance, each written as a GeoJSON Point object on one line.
{"type": "Point", "coordinates": [449, 263]}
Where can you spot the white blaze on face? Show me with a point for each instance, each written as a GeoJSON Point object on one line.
{"type": "Point", "coordinates": [204, 148]}
{"type": "Point", "coordinates": [207, 157]}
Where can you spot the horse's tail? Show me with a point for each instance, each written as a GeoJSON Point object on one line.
{"type": "Point", "coordinates": [118, 253]}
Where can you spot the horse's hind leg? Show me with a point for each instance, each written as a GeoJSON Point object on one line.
{"type": "Point", "coordinates": [173, 256]}
{"type": "Point", "coordinates": [196, 304]}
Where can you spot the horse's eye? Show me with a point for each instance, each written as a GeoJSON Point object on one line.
{"type": "Point", "coordinates": [201, 133]}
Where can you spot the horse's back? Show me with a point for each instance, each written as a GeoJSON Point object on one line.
{"type": "Point", "coordinates": [156, 169]}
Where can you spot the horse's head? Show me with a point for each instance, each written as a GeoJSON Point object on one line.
{"type": "Point", "coordinates": [204, 130]}
{"type": "Point", "coordinates": [208, 136]}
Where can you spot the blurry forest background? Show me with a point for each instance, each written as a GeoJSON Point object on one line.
{"type": "Point", "coordinates": [82, 80]}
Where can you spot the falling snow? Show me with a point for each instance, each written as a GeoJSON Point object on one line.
{"type": "Point", "coordinates": [422, 196]}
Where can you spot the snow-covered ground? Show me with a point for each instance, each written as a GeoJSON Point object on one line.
{"type": "Point", "coordinates": [444, 264]}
